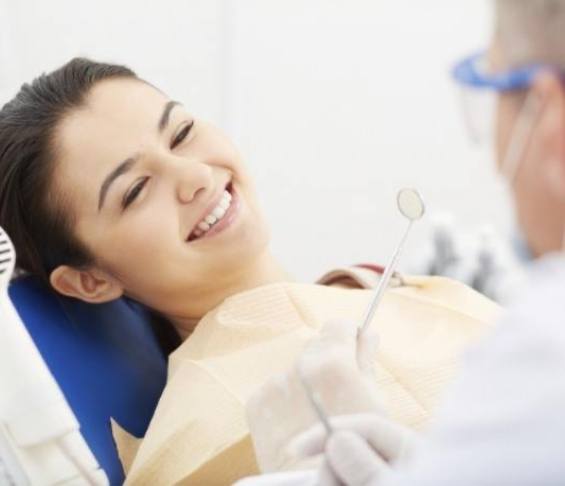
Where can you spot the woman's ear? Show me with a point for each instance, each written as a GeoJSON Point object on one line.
{"type": "Point", "coordinates": [92, 285]}
{"type": "Point", "coordinates": [551, 91]}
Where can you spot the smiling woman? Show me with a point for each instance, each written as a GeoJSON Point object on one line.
{"type": "Point", "coordinates": [110, 188]}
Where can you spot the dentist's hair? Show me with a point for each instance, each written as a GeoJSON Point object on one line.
{"type": "Point", "coordinates": [531, 31]}
{"type": "Point", "coordinates": [32, 211]}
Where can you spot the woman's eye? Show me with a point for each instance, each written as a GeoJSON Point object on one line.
{"type": "Point", "coordinates": [182, 134]}
{"type": "Point", "coordinates": [132, 194]}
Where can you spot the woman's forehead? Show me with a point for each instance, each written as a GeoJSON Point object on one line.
{"type": "Point", "coordinates": [119, 118]}
{"type": "Point", "coordinates": [122, 101]}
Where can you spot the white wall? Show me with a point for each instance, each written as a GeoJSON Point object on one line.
{"type": "Point", "coordinates": [178, 45]}
{"type": "Point", "coordinates": [341, 103]}
{"type": "Point", "coordinates": [335, 103]}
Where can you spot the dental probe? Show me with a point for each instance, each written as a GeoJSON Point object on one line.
{"type": "Point", "coordinates": [411, 205]}
{"type": "Point", "coordinates": [315, 403]}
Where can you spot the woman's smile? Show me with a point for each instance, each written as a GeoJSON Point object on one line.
{"type": "Point", "coordinates": [220, 215]}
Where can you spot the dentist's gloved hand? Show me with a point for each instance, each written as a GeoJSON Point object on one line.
{"type": "Point", "coordinates": [360, 452]}
{"type": "Point", "coordinates": [338, 367]}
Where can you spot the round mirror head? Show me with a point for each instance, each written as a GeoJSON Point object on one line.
{"type": "Point", "coordinates": [410, 204]}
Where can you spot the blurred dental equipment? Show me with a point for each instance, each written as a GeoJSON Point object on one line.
{"type": "Point", "coordinates": [482, 258]}
{"type": "Point", "coordinates": [411, 206]}
{"type": "Point", "coordinates": [40, 442]}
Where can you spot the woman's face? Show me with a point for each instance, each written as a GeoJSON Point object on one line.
{"type": "Point", "coordinates": [159, 197]}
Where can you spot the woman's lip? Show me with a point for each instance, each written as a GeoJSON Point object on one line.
{"type": "Point", "coordinates": [227, 220]}
{"type": "Point", "coordinates": [208, 210]}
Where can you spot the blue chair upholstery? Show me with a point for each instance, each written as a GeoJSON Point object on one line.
{"type": "Point", "coordinates": [105, 358]}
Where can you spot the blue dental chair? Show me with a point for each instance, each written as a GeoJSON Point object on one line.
{"type": "Point", "coordinates": [107, 359]}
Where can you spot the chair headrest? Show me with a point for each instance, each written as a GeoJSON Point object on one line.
{"type": "Point", "coordinates": [105, 357]}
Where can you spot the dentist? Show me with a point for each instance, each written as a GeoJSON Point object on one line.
{"type": "Point", "coordinates": [503, 422]}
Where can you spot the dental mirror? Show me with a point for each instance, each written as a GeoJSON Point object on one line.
{"type": "Point", "coordinates": [411, 206]}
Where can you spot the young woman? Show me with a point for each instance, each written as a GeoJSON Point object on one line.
{"type": "Point", "coordinates": [110, 188]}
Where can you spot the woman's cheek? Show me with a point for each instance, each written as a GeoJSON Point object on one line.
{"type": "Point", "coordinates": [144, 236]}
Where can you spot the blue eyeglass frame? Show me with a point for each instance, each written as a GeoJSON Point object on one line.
{"type": "Point", "coordinates": [468, 73]}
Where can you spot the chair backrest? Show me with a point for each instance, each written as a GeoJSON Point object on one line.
{"type": "Point", "coordinates": [105, 358]}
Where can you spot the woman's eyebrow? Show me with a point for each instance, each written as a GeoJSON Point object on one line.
{"type": "Point", "coordinates": [164, 120]}
{"type": "Point", "coordinates": [112, 176]}
{"type": "Point", "coordinates": [129, 162]}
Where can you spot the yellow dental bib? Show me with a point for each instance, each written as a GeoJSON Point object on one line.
{"type": "Point", "coordinates": [199, 434]}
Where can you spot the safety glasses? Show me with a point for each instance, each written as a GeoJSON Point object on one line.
{"type": "Point", "coordinates": [480, 89]}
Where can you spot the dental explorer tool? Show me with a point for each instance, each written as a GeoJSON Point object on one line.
{"type": "Point", "coordinates": [412, 207]}
{"type": "Point", "coordinates": [315, 403]}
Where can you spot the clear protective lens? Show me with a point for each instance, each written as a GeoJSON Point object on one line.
{"type": "Point", "coordinates": [479, 113]}
{"type": "Point", "coordinates": [478, 98]}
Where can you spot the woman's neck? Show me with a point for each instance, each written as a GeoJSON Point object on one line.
{"type": "Point", "coordinates": [266, 270]}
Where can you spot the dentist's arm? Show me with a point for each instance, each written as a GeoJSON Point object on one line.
{"type": "Point", "coordinates": [502, 423]}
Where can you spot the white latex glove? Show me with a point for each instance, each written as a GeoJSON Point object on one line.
{"type": "Point", "coordinates": [359, 453]}
{"type": "Point", "coordinates": [338, 369]}
{"type": "Point", "coordinates": [294, 478]}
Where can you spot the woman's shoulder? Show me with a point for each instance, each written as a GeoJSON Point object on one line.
{"type": "Point", "coordinates": [359, 276]}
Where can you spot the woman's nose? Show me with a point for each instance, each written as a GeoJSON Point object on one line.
{"type": "Point", "coordinates": [193, 179]}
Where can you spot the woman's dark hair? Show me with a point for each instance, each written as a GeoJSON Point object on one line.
{"type": "Point", "coordinates": [34, 215]}
{"type": "Point", "coordinates": [31, 211]}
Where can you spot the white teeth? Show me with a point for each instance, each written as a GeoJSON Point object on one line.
{"type": "Point", "coordinates": [217, 213]}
